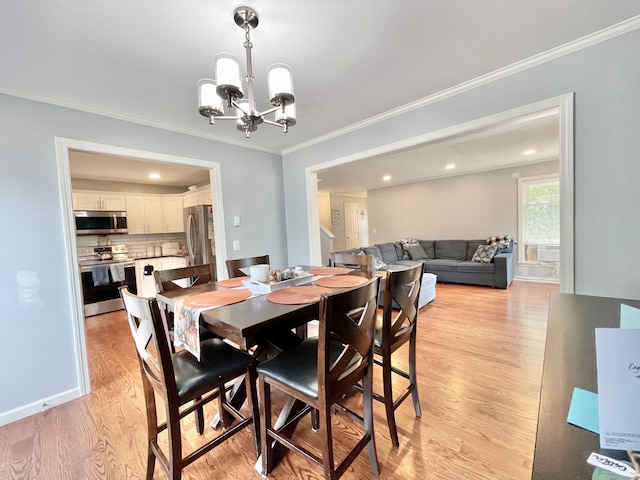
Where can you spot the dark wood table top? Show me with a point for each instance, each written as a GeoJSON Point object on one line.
{"type": "Point", "coordinates": [570, 361]}
{"type": "Point", "coordinates": [249, 322]}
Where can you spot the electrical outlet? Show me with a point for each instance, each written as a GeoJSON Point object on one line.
{"type": "Point", "coordinates": [236, 245]}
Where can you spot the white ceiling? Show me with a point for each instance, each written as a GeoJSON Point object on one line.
{"type": "Point", "coordinates": [351, 60]}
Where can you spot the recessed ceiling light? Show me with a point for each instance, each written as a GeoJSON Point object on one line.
{"type": "Point", "coordinates": [386, 178]}
{"type": "Point", "coordinates": [155, 176]}
{"type": "Point", "coordinates": [531, 151]}
{"type": "Point", "coordinates": [450, 166]}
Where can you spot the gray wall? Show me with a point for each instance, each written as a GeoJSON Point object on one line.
{"type": "Point", "coordinates": [606, 81]}
{"type": "Point", "coordinates": [37, 357]}
{"type": "Point", "coordinates": [470, 206]}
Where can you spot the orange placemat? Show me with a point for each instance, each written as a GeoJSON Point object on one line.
{"type": "Point", "coordinates": [330, 271]}
{"type": "Point", "coordinates": [297, 295]}
{"type": "Point", "coordinates": [233, 282]}
{"type": "Point", "coordinates": [217, 298]}
{"type": "Point", "coordinates": [340, 281]}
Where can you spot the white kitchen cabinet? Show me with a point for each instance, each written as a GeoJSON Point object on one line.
{"type": "Point", "coordinates": [144, 214]}
{"type": "Point", "coordinates": [145, 283]}
{"type": "Point", "coordinates": [172, 210]}
{"type": "Point", "coordinates": [202, 196]}
{"type": "Point", "coordinates": [199, 196]}
{"type": "Point", "coordinates": [99, 201]}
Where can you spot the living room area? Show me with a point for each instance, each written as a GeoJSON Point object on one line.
{"type": "Point", "coordinates": [498, 179]}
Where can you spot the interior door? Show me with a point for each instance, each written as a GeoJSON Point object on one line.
{"type": "Point", "coordinates": [351, 226]}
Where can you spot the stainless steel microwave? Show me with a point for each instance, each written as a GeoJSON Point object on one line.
{"type": "Point", "coordinates": [90, 222]}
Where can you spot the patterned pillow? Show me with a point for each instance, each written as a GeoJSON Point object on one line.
{"type": "Point", "coordinates": [484, 253]}
{"type": "Point", "coordinates": [377, 263]}
{"type": "Point", "coordinates": [500, 240]}
{"type": "Point", "coordinates": [409, 242]}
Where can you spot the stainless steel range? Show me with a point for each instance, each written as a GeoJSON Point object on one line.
{"type": "Point", "coordinates": [102, 273]}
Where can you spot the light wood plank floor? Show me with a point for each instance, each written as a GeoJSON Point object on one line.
{"type": "Point", "coordinates": [480, 353]}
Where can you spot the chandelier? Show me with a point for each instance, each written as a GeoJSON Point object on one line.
{"type": "Point", "coordinates": [227, 87]}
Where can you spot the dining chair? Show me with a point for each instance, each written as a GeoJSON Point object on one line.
{"type": "Point", "coordinates": [179, 379]}
{"type": "Point", "coordinates": [397, 327]}
{"type": "Point", "coordinates": [165, 280]}
{"type": "Point", "coordinates": [319, 372]}
{"type": "Point", "coordinates": [352, 260]}
{"type": "Point", "coordinates": [234, 266]}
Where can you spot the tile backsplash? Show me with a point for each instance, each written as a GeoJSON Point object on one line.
{"type": "Point", "coordinates": [137, 243]}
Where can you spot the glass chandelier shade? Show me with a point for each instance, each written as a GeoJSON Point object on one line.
{"type": "Point", "coordinates": [228, 87]}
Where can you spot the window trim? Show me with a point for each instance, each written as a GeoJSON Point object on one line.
{"type": "Point", "coordinates": [521, 237]}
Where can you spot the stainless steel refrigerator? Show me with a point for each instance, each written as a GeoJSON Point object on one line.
{"type": "Point", "coordinates": [198, 225]}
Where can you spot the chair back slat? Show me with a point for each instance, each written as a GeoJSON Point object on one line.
{"type": "Point", "coordinates": [352, 260]}
{"type": "Point", "coordinates": [347, 318]}
{"type": "Point", "coordinates": [165, 279]}
{"type": "Point", "coordinates": [402, 289]}
{"type": "Point", "coordinates": [234, 266]}
{"type": "Point", "coordinates": [151, 343]}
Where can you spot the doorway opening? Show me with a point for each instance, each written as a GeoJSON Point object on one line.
{"type": "Point", "coordinates": [561, 106]}
{"type": "Point", "coordinates": [63, 148]}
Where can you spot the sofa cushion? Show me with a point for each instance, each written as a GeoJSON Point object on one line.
{"type": "Point", "coordinates": [439, 264]}
{"type": "Point", "coordinates": [484, 253]}
{"type": "Point", "coordinates": [451, 249]}
{"type": "Point", "coordinates": [475, 267]}
{"type": "Point", "coordinates": [399, 250]}
{"type": "Point", "coordinates": [429, 247]}
{"type": "Point", "coordinates": [388, 251]}
{"type": "Point", "coordinates": [416, 252]}
{"type": "Point", "coordinates": [375, 251]}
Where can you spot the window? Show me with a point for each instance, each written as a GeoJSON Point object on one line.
{"type": "Point", "coordinates": [539, 218]}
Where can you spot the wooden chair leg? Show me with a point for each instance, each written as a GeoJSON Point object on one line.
{"type": "Point", "coordinates": [413, 376]}
{"type": "Point", "coordinates": [199, 413]}
{"type": "Point", "coordinates": [265, 424]}
{"type": "Point", "coordinates": [315, 420]}
{"type": "Point", "coordinates": [367, 404]}
{"type": "Point", "coordinates": [152, 425]}
{"type": "Point", "coordinates": [175, 443]}
{"type": "Point", "coordinates": [388, 399]}
{"type": "Point", "coordinates": [252, 400]}
{"type": "Point", "coordinates": [327, 447]}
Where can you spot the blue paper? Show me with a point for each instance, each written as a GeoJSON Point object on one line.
{"type": "Point", "coordinates": [629, 316]}
{"type": "Point", "coordinates": [583, 411]}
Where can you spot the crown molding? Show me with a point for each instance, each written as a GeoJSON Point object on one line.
{"type": "Point", "coordinates": [603, 35]}
{"type": "Point", "coordinates": [129, 117]}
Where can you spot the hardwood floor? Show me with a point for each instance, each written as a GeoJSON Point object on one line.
{"type": "Point", "coordinates": [480, 353]}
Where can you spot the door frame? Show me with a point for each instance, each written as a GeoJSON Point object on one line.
{"type": "Point", "coordinates": [63, 145]}
{"type": "Point", "coordinates": [564, 105]}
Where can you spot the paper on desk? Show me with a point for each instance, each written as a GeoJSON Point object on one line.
{"type": "Point", "coordinates": [618, 362]}
{"type": "Point", "coordinates": [629, 316]}
{"type": "Point", "coordinates": [583, 411]}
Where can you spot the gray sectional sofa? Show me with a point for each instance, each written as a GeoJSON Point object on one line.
{"type": "Point", "coordinates": [451, 260]}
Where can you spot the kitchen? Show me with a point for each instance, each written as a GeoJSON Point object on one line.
{"type": "Point", "coordinates": [134, 217]}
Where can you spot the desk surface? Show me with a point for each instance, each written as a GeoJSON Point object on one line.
{"type": "Point", "coordinates": [570, 361]}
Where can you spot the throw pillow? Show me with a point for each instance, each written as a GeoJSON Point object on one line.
{"type": "Point", "coordinates": [500, 240]}
{"type": "Point", "coordinates": [408, 242]}
{"type": "Point", "coordinates": [484, 253]}
{"type": "Point", "coordinates": [416, 252]}
{"type": "Point", "coordinates": [377, 263]}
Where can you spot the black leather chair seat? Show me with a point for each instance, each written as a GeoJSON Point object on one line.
{"type": "Point", "coordinates": [304, 377]}
{"type": "Point", "coordinates": [217, 360]}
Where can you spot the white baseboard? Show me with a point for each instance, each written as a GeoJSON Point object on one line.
{"type": "Point", "coordinates": [39, 406]}
{"type": "Point", "coordinates": [537, 280]}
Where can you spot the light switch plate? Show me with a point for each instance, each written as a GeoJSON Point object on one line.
{"type": "Point", "coordinates": [236, 221]}
{"type": "Point", "coordinates": [236, 245]}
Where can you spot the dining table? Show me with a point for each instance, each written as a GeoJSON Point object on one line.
{"type": "Point", "coordinates": [262, 326]}
{"type": "Point", "coordinates": [562, 448]}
